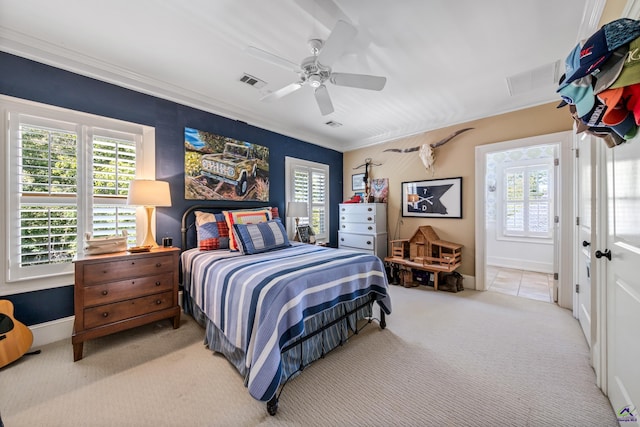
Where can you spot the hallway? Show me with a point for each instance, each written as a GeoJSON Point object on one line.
{"type": "Point", "coordinates": [522, 283]}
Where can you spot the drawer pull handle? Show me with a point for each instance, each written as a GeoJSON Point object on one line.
{"type": "Point", "coordinates": [158, 283]}
{"type": "Point", "coordinates": [369, 209]}
{"type": "Point", "coordinates": [158, 302]}
{"type": "Point", "coordinates": [369, 219]}
{"type": "Point", "coordinates": [344, 226]}
{"type": "Point", "coordinates": [370, 228]}
{"type": "Point", "coordinates": [133, 263]}
{"type": "Point", "coordinates": [105, 292]}
{"type": "Point", "coordinates": [158, 264]}
{"type": "Point", "coordinates": [105, 314]}
{"type": "Point", "coordinates": [342, 239]}
{"type": "Point", "coordinates": [368, 242]}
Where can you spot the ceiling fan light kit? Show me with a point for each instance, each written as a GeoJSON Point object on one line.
{"type": "Point", "coordinates": [316, 70]}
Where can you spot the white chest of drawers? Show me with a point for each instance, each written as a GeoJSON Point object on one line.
{"type": "Point", "coordinates": [363, 227]}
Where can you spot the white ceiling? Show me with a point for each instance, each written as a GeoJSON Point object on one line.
{"type": "Point", "coordinates": [446, 62]}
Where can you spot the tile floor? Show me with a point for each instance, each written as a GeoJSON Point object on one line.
{"type": "Point", "coordinates": [522, 283]}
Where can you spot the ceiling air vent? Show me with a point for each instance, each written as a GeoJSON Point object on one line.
{"type": "Point", "coordinates": [253, 81]}
{"type": "Point", "coordinates": [333, 124]}
{"type": "Point", "coordinates": [540, 78]}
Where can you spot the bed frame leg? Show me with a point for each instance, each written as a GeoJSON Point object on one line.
{"type": "Point", "coordinates": [383, 320]}
{"type": "Point", "coordinates": [272, 405]}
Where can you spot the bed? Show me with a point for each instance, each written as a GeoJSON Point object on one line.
{"type": "Point", "coordinates": [271, 312]}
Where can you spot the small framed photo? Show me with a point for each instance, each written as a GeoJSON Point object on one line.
{"type": "Point", "coordinates": [434, 198]}
{"type": "Point", "coordinates": [306, 234]}
{"type": "Point", "coordinates": [357, 182]}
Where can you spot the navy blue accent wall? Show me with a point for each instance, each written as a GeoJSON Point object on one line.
{"type": "Point", "coordinates": [26, 79]}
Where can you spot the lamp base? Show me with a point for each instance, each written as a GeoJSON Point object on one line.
{"type": "Point", "coordinates": [149, 239]}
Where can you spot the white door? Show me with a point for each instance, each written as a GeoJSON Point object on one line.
{"type": "Point", "coordinates": [623, 279]}
{"type": "Point", "coordinates": [583, 260]}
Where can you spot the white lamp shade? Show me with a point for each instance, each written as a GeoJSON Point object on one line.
{"type": "Point", "coordinates": [147, 192]}
{"type": "Point", "coordinates": [297, 209]}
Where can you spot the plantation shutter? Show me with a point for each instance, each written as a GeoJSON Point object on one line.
{"type": "Point", "coordinates": [66, 179]}
{"type": "Point", "coordinates": [47, 185]}
{"type": "Point", "coordinates": [309, 182]}
{"type": "Point", "coordinates": [113, 167]}
{"type": "Point", "coordinates": [527, 201]}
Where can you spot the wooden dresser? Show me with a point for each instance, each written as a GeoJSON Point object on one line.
{"type": "Point", "coordinates": [119, 291]}
{"type": "Point", "coordinates": [363, 227]}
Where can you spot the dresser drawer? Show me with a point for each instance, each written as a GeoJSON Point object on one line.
{"type": "Point", "coordinates": [135, 267]}
{"type": "Point", "coordinates": [357, 209]}
{"type": "Point", "coordinates": [110, 313]}
{"type": "Point", "coordinates": [125, 289]}
{"type": "Point", "coordinates": [352, 227]}
{"type": "Point", "coordinates": [361, 241]}
{"type": "Point", "coordinates": [369, 218]}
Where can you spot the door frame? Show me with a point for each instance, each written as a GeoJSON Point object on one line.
{"type": "Point", "coordinates": [564, 208]}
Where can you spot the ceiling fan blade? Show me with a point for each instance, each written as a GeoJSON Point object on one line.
{"type": "Point", "coordinates": [284, 91]}
{"type": "Point", "coordinates": [326, 12]}
{"type": "Point", "coordinates": [342, 34]}
{"type": "Point", "coordinates": [274, 59]}
{"type": "Point", "coordinates": [362, 81]}
{"type": "Point", "coordinates": [323, 100]}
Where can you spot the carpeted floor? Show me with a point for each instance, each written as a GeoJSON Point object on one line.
{"type": "Point", "coordinates": [465, 359]}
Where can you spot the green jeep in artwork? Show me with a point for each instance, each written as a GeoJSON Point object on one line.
{"type": "Point", "coordinates": [234, 166]}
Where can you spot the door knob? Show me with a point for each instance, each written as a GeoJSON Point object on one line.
{"type": "Point", "coordinates": [585, 243]}
{"type": "Point", "coordinates": [606, 254]}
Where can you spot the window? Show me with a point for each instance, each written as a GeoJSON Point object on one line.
{"type": "Point", "coordinates": [527, 201]}
{"type": "Point", "coordinates": [309, 182]}
{"type": "Point", "coordinates": [69, 174]}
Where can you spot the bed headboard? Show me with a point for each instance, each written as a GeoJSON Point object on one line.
{"type": "Point", "coordinates": [188, 227]}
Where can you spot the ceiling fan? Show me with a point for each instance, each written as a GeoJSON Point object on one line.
{"type": "Point", "coordinates": [316, 70]}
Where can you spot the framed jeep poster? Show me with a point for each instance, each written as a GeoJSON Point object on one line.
{"type": "Point", "coordinates": [217, 167]}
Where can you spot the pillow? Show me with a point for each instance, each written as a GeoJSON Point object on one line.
{"type": "Point", "coordinates": [261, 237]}
{"type": "Point", "coordinates": [244, 217]}
{"type": "Point", "coordinates": [212, 231]}
{"type": "Point", "coordinates": [274, 212]}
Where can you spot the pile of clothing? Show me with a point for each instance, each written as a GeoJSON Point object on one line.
{"type": "Point", "coordinates": [601, 83]}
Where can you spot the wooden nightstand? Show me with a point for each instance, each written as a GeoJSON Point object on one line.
{"type": "Point", "coordinates": [119, 291]}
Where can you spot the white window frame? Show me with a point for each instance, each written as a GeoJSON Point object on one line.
{"type": "Point", "coordinates": [292, 163]}
{"type": "Point", "coordinates": [56, 275]}
{"type": "Point", "coordinates": [502, 233]}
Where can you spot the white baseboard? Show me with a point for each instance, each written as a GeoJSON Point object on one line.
{"type": "Point", "coordinates": [48, 332]}
{"type": "Point", "coordinates": [520, 264]}
{"type": "Point", "coordinates": [469, 282]}
{"type": "Point", "coordinates": [60, 329]}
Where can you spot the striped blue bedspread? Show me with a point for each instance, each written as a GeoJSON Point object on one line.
{"type": "Point", "coordinates": [260, 301]}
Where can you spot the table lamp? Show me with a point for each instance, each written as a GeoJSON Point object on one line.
{"type": "Point", "coordinates": [296, 210]}
{"type": "Point", "coordinates": [149, 193]}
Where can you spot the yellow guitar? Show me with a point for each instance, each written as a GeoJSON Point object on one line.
{"type": "Point", "coordinates": [15, 338]}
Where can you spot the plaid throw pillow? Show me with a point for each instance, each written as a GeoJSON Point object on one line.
{"type": "Point", "coordinates": [212, 230]}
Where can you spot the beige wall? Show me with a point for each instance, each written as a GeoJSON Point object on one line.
{"type": "Point", "coordinates": [456, 158]}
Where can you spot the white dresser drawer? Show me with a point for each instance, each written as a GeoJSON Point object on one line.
{"type": "Point", "coordinates": [352, 227]}
{"type": "Point", "coordinates": [375, 244]}
{"type": "Point", "coordinates": [369, 218]}
{"type": "Point", "coordinates": [362, 241]}
{"type": "Point", "coordinates": [357, 208]}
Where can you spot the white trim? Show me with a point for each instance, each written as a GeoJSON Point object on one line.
{"type": "Point", "coordinates": [62, 275]}
{"type": "Point", "coordinates": [49, 332]}
{"type": "Point", "coordinates": [289, 164]}
{"type": "Point", "coordinates": [520, 264]}
{"type": "Point", "coordinates": [564, 238]}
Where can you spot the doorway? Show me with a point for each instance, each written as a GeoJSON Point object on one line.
{"type": "Point", "coordinates": [520, 210]}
